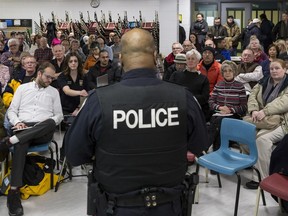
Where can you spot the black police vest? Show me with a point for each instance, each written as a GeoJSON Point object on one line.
{"type": "Point", "coordinates": [144, 138]}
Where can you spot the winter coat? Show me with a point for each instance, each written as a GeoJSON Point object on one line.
{"type": "Point", "coordinates": [233, 32]}
{"type": "Point", "coordinates": [278, 106]}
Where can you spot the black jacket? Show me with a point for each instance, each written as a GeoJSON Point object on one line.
{"type": "Point", "coordinates": [113, 70]}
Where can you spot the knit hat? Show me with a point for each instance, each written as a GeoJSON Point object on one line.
{"type": "Point", "coordinates": [211, 49]}
{"type": "Point", "coordinates": [180, 58]}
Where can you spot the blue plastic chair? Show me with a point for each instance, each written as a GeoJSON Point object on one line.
{"type": "Point", "coordinates": [229, 162]}
{"type": "Point", "coordinates": [41, 148]}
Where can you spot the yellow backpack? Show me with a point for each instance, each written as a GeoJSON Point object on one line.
{"type": "Point", "coordinates": [41, 187]}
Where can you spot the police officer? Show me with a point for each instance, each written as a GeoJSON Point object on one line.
{"type": "Point", "coordinates": [139, 131]}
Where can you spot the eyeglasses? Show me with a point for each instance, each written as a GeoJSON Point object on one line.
{"type": "Point", "coordinates": [227, 71]}
{"type": "Point", "coordinates": [30, 62]}
{"type": "Point", "coordinates": [49, 77]}
{"type": "Point", "coordinates": [176, 48]}
{"type": "Point", "coordinates": [13, 45]}
{"type": "Point", "coordinates": [207, 53]}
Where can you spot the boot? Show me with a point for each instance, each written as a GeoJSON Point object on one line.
{"type": "Point", "coordinates": [4, 148]}
{"type": "Point", "coordinates": [14, 203]}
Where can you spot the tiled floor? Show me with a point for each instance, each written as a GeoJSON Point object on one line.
{"type": "Point", "coordinates": [71, 199]}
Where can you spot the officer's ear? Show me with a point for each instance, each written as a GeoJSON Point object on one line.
{"type": "Point", "coordinates": [120, 60]}
{"type": "Point", "coordinates": [155, 57]}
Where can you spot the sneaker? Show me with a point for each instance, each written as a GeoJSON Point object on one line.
{"type": "Point", "coordinates": [14, 203]}
{"type": "Point", "coordinates": [252, 185]}
{"type": "Point", "coordinates": [4, 148]}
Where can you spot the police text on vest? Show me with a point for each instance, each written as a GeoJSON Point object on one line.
{"type": "Point", "coordinates": [134, 118]}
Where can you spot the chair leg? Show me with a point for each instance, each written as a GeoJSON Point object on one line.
{"type": "Point", "coordinates": [237, 194]}
{"type": "Point", "coordinates": [62, 171]}
{"type": "Point", "coordinates": [196, 199]}
{"type": "Point", "coordinates": [57, 153]}
{"type": "Point", "coordinates": [52, 171]}
{"type": "Point", "coordinates": [206, 175]}
{"type": "Point", "coordinates": [259, 179]}
{"type": "Point", "coordinates": [257, 201]}
{"type": "Point", "coordinates": [197, 168]}
{"type": "Point", "coordinates": [280, 204]}
{"type": "Point", "coordinates": [219, 180]}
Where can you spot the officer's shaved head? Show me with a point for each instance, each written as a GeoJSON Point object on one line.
{"type": "Point", "coordinates": [138, 50]}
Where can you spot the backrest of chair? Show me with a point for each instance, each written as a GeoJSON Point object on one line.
{"type": "Point", "coordinates": [239, 131]}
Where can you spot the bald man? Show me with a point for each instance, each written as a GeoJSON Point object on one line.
{"type": "Point", "coordinates": [137, 137]}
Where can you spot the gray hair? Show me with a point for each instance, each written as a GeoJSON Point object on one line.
{"type": "Point", "coordinates": [192, 52]}
{"type": "Point", "coordinates": [230, 64]}
{"type": "Point", "coordinates": [15, 40]}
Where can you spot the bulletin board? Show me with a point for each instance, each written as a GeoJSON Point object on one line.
{"type": "Point", "coordinates": [17, 25]}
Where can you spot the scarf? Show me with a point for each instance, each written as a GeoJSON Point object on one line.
{"type": "Point", "coordinates": [272, 92]}
{"type": "Point", "coordinates": [170, 59]}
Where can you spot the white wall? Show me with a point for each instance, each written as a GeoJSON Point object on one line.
{"type": "Point", "coordinates": [184, 9]}
{"type": "Point", "coordinates": [167, 9]}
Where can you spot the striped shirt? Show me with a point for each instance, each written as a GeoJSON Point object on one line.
{"type": "Point", "coordinates": [230, 94]}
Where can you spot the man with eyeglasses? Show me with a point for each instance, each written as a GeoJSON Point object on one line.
{"type": "Point", "coordinates": [248, 71]}
{"type": "Point", "coordinates": [37, 105]}
{"type": "Point", "coordinates": [209, 67]}
{"type": "Point", "coordinates": [187, 46]}
{"type": "Point", "coordinates": [25, 76]}
{"type": "Point", "coordinates": [169, 60]}
{"type": "Point", "coordinates": [11, 58]}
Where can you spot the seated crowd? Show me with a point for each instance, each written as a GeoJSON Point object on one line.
{"type": "Point", "coordinates": [255, 86]}
{"type": "Point", "coordinates": [69, 68]}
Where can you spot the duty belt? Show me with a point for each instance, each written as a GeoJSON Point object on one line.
{"type": "Point", "coordinates": [148, 197]}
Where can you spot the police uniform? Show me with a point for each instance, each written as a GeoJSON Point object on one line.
{"type": "Point", "coordinates": [138, 131]}
{"type": "Point", "coordinates": [70, 103]}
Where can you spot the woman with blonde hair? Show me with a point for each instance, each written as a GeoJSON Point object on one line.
{"type": "Point", "coordinates": [281, 45]}
{"type": "Point", "coordinates": [283, 51]}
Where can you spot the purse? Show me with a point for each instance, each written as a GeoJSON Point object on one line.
{"type": "Point", "coordinates": [268, 122]}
